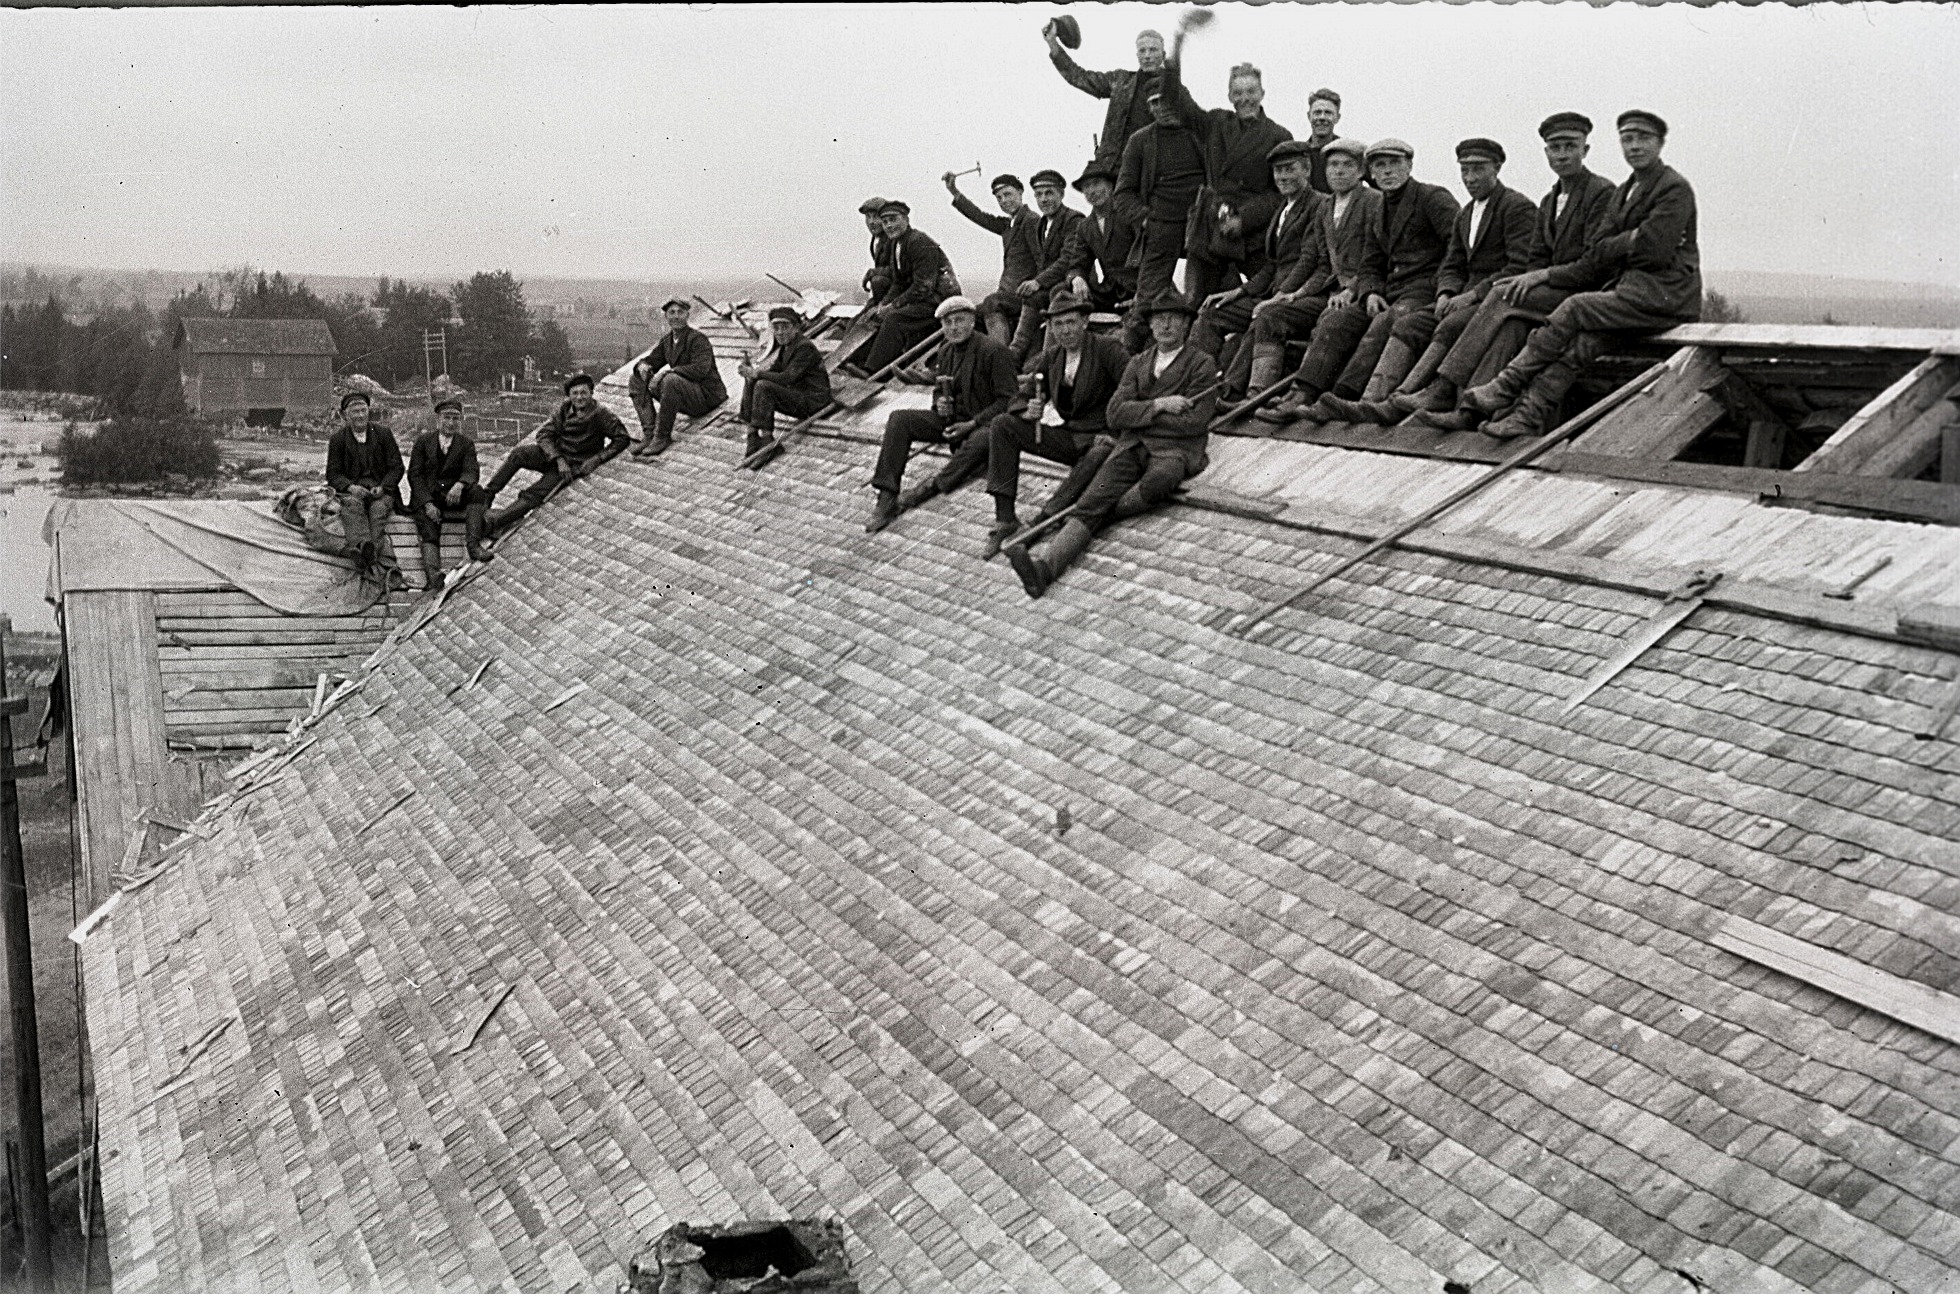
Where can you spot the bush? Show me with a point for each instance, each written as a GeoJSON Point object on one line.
{"type": "Point", "coordinates": [132, 449]}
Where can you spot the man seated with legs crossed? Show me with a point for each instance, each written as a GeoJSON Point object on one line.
{"type": "Point", "coordinates": [1491, 239]}
{"type": "Point", "coordinates": [792, 380]}
{"type": "Point", "coordinates": [973, 380]}
{"type": "Point", "coordinates": [1159, 420]}
{"type": "Point", "coordinates": [577, 438]}
{"type": "Point", "coordinates": [443, 475]}
{"type": "Point", "coordinates": [1643, 276]}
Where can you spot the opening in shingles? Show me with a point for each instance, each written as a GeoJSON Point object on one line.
{"type": "Point", "coordinates": [744, 1257]}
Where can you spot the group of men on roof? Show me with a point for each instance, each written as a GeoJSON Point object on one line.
{"type": "Point", "coordinates": [1409, 307]}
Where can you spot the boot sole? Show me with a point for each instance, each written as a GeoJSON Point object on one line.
{"type": "Point", "coordinates": [1032, 581]}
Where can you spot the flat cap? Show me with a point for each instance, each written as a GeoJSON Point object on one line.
{"type": "Point", "coordinates": [579, 379]}
{"type": "Point", "coordinates": [1095, 171]}
{"type": "Point", "coordinates": [449, 402]}
{"type": "Point", "coordinates": [1390, 147]}
{"type": "Point", "coordinates": [1479, 149]}
{"type": "Point", "coordinates": [1352, 147]}
{"type": "Point", "coordinates": [1641, 119]}
{"type": "Point", "coordinates": [352, 396]}
{"type": "Point", "coordinates": [671, 302]}
{"type": "Point", "coordinates": [1065, 302]}
{"type": "Point", "coordinates": [1008, 180]}
{"type": "Point", "coordinates": [1170, 301]}
{"type": "Point", "coordinates": [871, 206]}
{"type": "Point", "coordinates": [1289, 148]}
{"type": "Point", "coordinates": [785, 313]}
{"type": "Point", "coordinates": [893, 204]}
{"type": "Point", "coordinates": [1565, 123]}
{"type": "Point", "coordinates": [1051, 177]}
{"type": "Point", "coordinates": [953, 305]}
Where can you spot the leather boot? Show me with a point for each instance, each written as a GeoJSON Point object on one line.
{"type": "Point", "coordinates": [1536, 412]}
{"type": "Point", "coordinates": [883, 513]}
{"type": "Point", "coordinates": [431, 566]}
{"type": "Point", "coordinates": [1328, 408]}
{"type": "Point", "coordinates": [1501, 392]}
{"type": "Point", "coordinates": [1290, 407]}
{"type": "Point", "coordinates": [1444, 419]}
{"type": "Point", "coordinates": [1398, 357]}
{"type": "Point", "coordinates": [1267, 357]}
{"type": "Point", "coordinates": [1439, 396]}
{"type": "Point", "coordinates": [754, 442]}
{"type": "Point", "coordinates": [922, 493]}
{"type": "Point", "coordinates": [500, 521]}
{"type": "Point", "coordinates": [1070, 543]}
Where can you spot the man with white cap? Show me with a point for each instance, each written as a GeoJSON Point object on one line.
{"type": "Point", "coordinates": [973, 379]}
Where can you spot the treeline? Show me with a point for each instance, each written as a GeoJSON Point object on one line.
{"type": "Point", "coordinates": [122, 355]}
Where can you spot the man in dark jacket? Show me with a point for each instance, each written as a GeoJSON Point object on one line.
{"type": "Point", "coordinates": [1163, 171]}
{"type": "Point", "coordinates": [442, 477]}
{"type": "Point", "coordinates": [1570, 219]}
{"type": "Point", "coordinates": [879, 276]}
{"type": "Point", "coordinates": [1490, 239]}
{"type": "Point", "coordinates": [1104, 271]}
{"type": "Point", "coordinates": [1323, 114]}
{"type": "Point", "coordinates": [1643, 276]}
{"type": "Point", "coordinates": [1058, 249]}
{"type": "Point", "coordinates": [577, 438]}
{"type": "Point", "coordinates": [1229, 218]}
{"type": "Point", "coordinates": [793, 380]}
{"type": "Point", "coordinates": [1128, 92]}
{"type": "Point", "coordinates": [905, 311]}
{"type": "Point", "coordinates": [1228, 313]}
{"type": "Point", "coordinates": [973, 379]}
{"type": "Point", "coordinates": [677, 376]}
{"type": "Point", "coordinates": [1000, 310]}
{"type": "Point", "coordinates": [364, 467]}
{"type": "Point", "coordinates": [1159, 420]}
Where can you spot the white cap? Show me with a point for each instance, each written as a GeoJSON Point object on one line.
{"type": "Point", "coordinates": [951, 304]}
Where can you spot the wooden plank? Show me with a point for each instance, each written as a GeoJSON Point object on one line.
{"type": "Point", "coordinates": [1917, 446]}
{"type": "Point", "coordinates": [1871, 429]}
{"type": "Point", "coordinates": [217, 653]}
{"type": "Point", "coordinates": [191, 627]}
{"type": "Point", "coordinates": [322, 638]}
{"type": "Point", "coordinates": [231, 720]}
{"type": "Point", "coordinates": [204, 702]}
{"type": "Point", "coordinates": [1943, 341]}
{"type": "Point", "coordinates": [1907, 1001]}
{"type": "Point", "coordinates": [1668, 417]}
{"type": "Point", "coordinates": [1911, 500]}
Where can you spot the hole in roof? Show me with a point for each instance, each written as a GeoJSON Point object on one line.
{"type": "Point", "coordinates": [745, 1257]}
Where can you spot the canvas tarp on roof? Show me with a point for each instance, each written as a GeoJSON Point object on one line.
{"type": "Point", "coordinates": [196, 544]}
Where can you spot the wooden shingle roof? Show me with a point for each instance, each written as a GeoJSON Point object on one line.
{"type": "Point", "coordinates": [255, 337]}
{"type": "Point", "coordinates": [770, 869]}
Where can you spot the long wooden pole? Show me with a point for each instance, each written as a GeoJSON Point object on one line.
{"type": "Point", "coordinates": [1250, 403]}
{"type": "Point", "coordinates": [1526, 454]}
{"type": "Point", "coordinates": [33, 1186]}
{"type": "Point", "coordinates": [774, 447]}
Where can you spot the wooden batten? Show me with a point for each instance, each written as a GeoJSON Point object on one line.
{"type": "Point", "coordinates": [1919, 1005]}
{"type": "Point", "coordinates": [1897, 434]}
{"type": "Point", "coordinates": [1666, 418]}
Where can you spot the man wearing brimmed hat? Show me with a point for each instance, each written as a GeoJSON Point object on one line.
{"type": "Point", "coordinates": [1490, 239]}
{"type": "Point", "coordinates": [1061, 411]}
{"type": "Point", "coordinates": [1103, 270]}
{"type": "Point", "coordinates": [1128, 92]}
{"type": "Point", "coordinates": [577, 437]}
{"type": "Point", "coordinates": [1230, 214]}
{"type": "Point", "coordinates": [920, 275]}
{"type": "Point", "coordinates": [1159, 420]}
{"type": "Point", "coordinates": [677, 376]}
{"type": "Point", "coordinates": [1466, 351]}
{"type": "Point", "coordinates": [442, 477]}
{"type": "Point", "coordinates": [1643, 275]}
{"type": "Point", "coordinates": [1227, 313]}
{"type": "Point", "coordinates": [1000, 309]}
{"type": "Point", "coordinates": [1338, 265]}
{"type": "Point", "coordinates": [364, 467]}
{"type": "Point", "coordinates": [973, 379]}
{"type": "Point", "coordinates": [791, 380]}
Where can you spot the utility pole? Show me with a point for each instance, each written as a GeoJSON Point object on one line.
{"type": "Point", "coordinates": [33, 1186]}
{"type": "Point", "coordinates": [435, 341]}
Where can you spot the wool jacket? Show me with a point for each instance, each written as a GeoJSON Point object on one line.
{"type": "Point", "coordinates": [1147, 188]}
{"type": "Point", "coordinates": [1338, 252]}
{"type": "Point", "coordinates": [1130, 409]}
{"type": "Point", "coordinates": [1411, 236]}
{"type": "Point", "coordinates": [983, 377]}
{"type": "Point", "coordinates": [1128, 111]}
{"type": "Point", "coordinates": [1649, 254]}
{"type": "Point", "coordinates": [1104, 250]}
{"type": "Point", "coordinates": [917, 269]}
{"type": "Point", "coordinates": [1020, 246]}
{"type": "Point", "coordinates": [1084, 405]}
{"type": "Point", "coordinates": [431, 471]}
{"type": "Point", "coordinates": [567, 433]}
{"type": "Point", "coordinates": [1235, 157]}
{"type": "Point", "coordinates": [1558, 239]}
{"type": "Point", "coordinates": [799, 368]}
{"type": "Point", "coordinates": [377, 463]}
{"type": "Point", "coordinates": [1503, 245]}
{"type": "Point", "coordinates": [689, 354]}
{"type": "Point", "coordinates": [1281, 246]}
{"type": "Point", "coordinates": [1058, 250]}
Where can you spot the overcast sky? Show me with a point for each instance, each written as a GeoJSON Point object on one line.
{"type": "Point", "coordinates": [724, 140]}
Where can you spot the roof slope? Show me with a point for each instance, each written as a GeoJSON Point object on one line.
{"type": "Point", "coordinates": [1066, 945]}
{"type": "Point", "coordinates": [255, 336]}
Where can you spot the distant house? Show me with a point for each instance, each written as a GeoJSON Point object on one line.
{"type": "Point", "coordinates": [238, 365]}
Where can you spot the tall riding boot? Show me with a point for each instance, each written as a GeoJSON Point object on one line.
{"type": "Point", "coordinates": [1398, 357]}
{"type": "Point", "coordinates": [1037, 573]}
{"type": "Point", "coordinates": [475, 528]}
{"type": "Point", "coordinates": [1536, 411]}
{"type": "Point", "coordinates": [1423, 373]}
{"type": "Point", "coordinates": [1267, 359]}
{"type": "Point", "coordinates": [1502, 391]}
{"type": "Point", "coordinates": [498, 522]}
{"type": "Point", "coordinates": [431, 565]}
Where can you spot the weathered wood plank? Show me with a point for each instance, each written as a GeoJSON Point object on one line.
{"type": "Point", "coordinates": [1943, 341]}
{"type": "Point", "coordinates": [1908, 1001]}
{"type": "Point", "coordinates": [1917, 446]}
{"type": "Point", "coordinates": [1871, 430]}
{"type": "Point", "coordinates": [316, 638]}
{"type": "Point", "coordinates": [205, 701]}
{"type": "Point", "coordinates": [1668, 417]}
{"type": "Point", "coordinates": [185, 626]}
{"type": "Point", "coordinates": [1911, 500]}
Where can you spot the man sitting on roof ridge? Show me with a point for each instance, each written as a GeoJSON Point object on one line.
{"type": "Point", "coordinates": [879, 276]}
{"type": "Point", "coordinates": [792, 379]}
{"type": "Point", "coordinates": [1102, 272]}
{"type": "Point", "coordinates": [1159, 419]}
{"type": "Point", "coordinates": [443, 474]}
{"type": "Point", "coordinates": [921, 277]}
{"type": "Point", "coordinates": [579, 436]}
{"type": "Point", "coordinates": [1000, 310]}
{"type": "Point", "coordinates": [364, 467]}
{"type": "Point", "coordinates": [678, 376]}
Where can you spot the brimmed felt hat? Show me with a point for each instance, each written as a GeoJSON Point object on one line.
{"type": "Point", "coordinates": [1351, 147]}
{"type": "Point", "coordinates": [871, 206]}
{"type": "Point", "coordinates": [1040, 178]}
{"type": "Point", "coordinates": [1641, 119]}
{"type": "Point", "coordinates": [952, 305]}
{"type": "Point", "coordinates": [1287, 149]}
{"type": "Point", "coordinates": [1067, 30]}
{"type": "Point", "coordinates": [1065, 302]}
{"type": "Point", "coordinates": [449, 402]}
{"type": "Point", "coordinates": [1479, 149]}
{"type": "Point", "coordinates": [1390, 147]}
{"type": "Point", "coordinates": [1170, 301]}
{"type": "Point", "coordinates": [785, 313]}
{"type": "Point", "coordinates": [893, 204]}
{"type": "Point", "coordinates": [352, 396]}
{"type": "Point", "coordinates": [579, 379]}
{"type": "Point", "coordinates": [1565, 123]}
{"type": "Point", "coordinates": [1094, 171]}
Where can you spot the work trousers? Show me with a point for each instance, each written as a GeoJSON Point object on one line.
{"type": "Point", "coordinates": [1490, 337]}
{"type": "Point", "coordinates": [908, 427]}
{"type": "Point", "coordinates": [1581, 313]}
{"type": "Point", "coordinates": [763, 397]}
{"type": "Point", "coordinates": [1129, 481]}
{"type": "Point", "coordinates": [674, 395]}
{"type": "Point", "coordinates": [1216, 323]}
{"type": "Point", "coordinates": [1009, 436]}
{"type": "Point", "coordinates": [1162, 244]}
{"type": "Point", "coordinates": [474, 507]}
{"type": "Point", "coordinates": [902, 328]}
{"type": "Point", "coordinates": [1204, 276]}
{"type": "Point", "coordinates": [1347, 342]}
{"type": "Point", "coordinates": [529, 457]}
{"type": "Point", "coordinates": [366, 521]}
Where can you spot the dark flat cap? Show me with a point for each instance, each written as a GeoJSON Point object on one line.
{"type": "Point", "coordinates": [1170, 301]}
{"type": "Point", "coordinates": [352, 396]}
{"type": "Point", "coordinates": [893, 204]}
{"type": "Point", "coordinates": [871, 206]}
{"type": "Point", "coordinates": [1095, 171]}
{"type": "Point", "coordinates": [449, 402]}
{"type": "Point", "coordinates": [579, 379]}
{"type": "Point", "coordinates": [1289, 148]}
{"type": "Point", "coordinates": [1565, 123]}
{"type": "Point", "coordinates": [671, 302]}
{"type": "Point", "coordinates": [1065, 302]}
{"type": "Point", "coordinates": [1010, 181]}
{"type": "Point", "coordinates": [1641, 119]}
{"type": "Point", "coordinates": [1479, 149]}
{"type": "Point", "coordinates": [1040, 178]}
{"type": "Point", "coordinates": [785, 313]}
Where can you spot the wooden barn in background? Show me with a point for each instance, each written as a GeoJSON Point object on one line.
{"type": "Point", "coordinates": [238, 365]}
